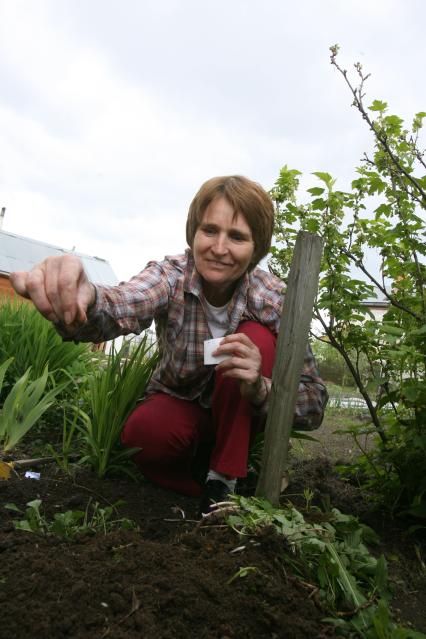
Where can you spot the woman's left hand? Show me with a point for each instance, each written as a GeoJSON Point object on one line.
{"type": "Point", "coordinates": [244, 364]}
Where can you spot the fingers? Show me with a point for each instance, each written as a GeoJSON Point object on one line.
{"type": "Point", "coordinates": [18, 280]}
{"type": "Point", "coordinates": [234, 350]}
{"type": "Point", "coordinates": [58, 287]}
{"type": "Point", "coordinates": [238, 338]}
{"type": "Point", "coordinates": [62, 279]}
{"type": "Point", "coordinates": [237, 361]}
{"type": "Point", "coordinates": [238, 344]}
{"type": "Point", "coordinates": [246, 375]}
{"type": "Point", "coordinates": [36, 289]}
{"type": "Point", "coordinates": [244, 362]}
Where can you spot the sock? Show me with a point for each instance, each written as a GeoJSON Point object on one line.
{"type": "Point", "coordinates": [230, 483]}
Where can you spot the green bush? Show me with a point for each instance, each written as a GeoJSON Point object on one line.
{"type": "Point", "coordinates": [381, 214]}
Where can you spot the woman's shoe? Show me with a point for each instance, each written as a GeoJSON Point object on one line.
{"type": "Point", "coordinates": [215, 491]}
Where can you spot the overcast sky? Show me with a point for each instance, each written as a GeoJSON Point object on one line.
{"type": "Point", "coordinates": [113, 112]}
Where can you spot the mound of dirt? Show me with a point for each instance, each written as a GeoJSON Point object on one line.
{"type": "Point", "coordinates": [173, 578]}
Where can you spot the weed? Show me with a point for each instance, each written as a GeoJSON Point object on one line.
{"type": "Point", "coordinates": [242, 572]}
{"type": "Point", "coordinates": [69, 524]}
{"type": "Point", "coordinates": [332, 557]}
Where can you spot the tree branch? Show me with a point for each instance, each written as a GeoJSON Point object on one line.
{"type": "Point", "coordinates": [391, 298]}
{"type": "Point", "coordinates": [374, 417]}
{"type": "Point", "coordinates": [358, 96]}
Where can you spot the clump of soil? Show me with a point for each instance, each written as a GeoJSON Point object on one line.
{"type": "Point", "coordinates": [174, 578]}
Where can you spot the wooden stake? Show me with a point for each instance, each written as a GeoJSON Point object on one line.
{"type": "Point", "coordinates": [296, 318]}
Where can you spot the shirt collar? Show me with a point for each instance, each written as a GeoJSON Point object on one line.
{"type": "Point", "coordinates": [192, 283]}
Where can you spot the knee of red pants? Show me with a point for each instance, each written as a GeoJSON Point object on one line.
{"type": "Point", "coordinates": [161, 439]}
{"type": "Point", "coordinates": [264, 339]}
{"type": "Point", "coordinates": [235, 422]}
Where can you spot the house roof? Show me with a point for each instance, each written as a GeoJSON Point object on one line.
{"type": "Point", "coordinates": [376, 300]}
{"type": "Point", "coordinates": [19, 253]}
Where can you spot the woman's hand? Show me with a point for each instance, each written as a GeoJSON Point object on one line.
{"type": "Point", "coordinates": [244, 364]}
{"type": "Point", "coordinates": [59, 289]}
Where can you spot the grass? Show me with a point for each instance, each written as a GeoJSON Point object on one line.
{"type": "Point", "coordinates": [334, 443]}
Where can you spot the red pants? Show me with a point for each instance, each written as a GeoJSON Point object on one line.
{"type": "Point", "coordinates": [168, 430]}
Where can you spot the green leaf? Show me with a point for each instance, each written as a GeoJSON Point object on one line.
{"type": "Point", "coordinates": [35, 504]}
{"type": "Point", "coordinates": [419, 331]}
{"type": "Point", "coordinates": [381, 577]}
{"type": "Point", "coordinates": [297, 434]}
{"type": "Point", "coordinates": [24, 525]}
{"type": "Point", "coordinates": [393, 124]}
{"type": "Point", "coordinates": [324, 177]}
{"type": "Point", "coordinates": [23, 406]}
{"type": "Point", "coordinates": [377, 105]}
{"type": "Point", "coordinates": [417, 511]}
{"type": "Point", "coordinates": [319, 204]}
{"type": "Point", "coordinates": [418, 121]}
{"type": "Point", "coordinates": [13, 507]}
{"type": "Point", "coordinates": [390, 329]}
{"type": "Point", "coordinates": [3, 369]}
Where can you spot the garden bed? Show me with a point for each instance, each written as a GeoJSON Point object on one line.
{"type": "Point", "coordinates": [173, 577]}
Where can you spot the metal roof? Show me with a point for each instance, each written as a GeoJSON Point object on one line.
{"type": "Point", "coordinates": [377, 299]}
{"type": "Point", "coordinates": [19, 253]}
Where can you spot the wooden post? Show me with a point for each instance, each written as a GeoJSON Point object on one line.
{"type": "Point", "coordinates": [291, 347]}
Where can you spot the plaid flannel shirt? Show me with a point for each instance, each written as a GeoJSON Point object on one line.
{"type": "Point", "coordinates": [170, 294]}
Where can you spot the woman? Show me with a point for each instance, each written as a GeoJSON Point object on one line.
{"type": "Point", "coordinates": [215, 289]}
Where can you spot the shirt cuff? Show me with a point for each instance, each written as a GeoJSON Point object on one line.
{"type": "Point", "coordinates": [260, 400]}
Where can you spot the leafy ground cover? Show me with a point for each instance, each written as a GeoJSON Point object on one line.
{"type": "Point", "coordinates": [167, 575]}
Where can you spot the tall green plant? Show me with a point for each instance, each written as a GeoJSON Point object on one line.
{"type": "Point", "coordinates": [382, 213]}
{"type": "Point", "coordinates": [23, 406]}
{"type": "Point", "coordinates": [32, 341]}
{"type": "Point", "coordinates": [113, 394]}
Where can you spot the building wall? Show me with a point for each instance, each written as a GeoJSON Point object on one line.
{"type": "Point", "coordinates": [378, 313]}
{"type": "Point", "coordinates": [7, 291]}
{"type": "Point", "coordinates": [6, 287]}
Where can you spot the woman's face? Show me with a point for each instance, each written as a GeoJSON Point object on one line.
{"type": "Point", "coordinates": [223, 248]}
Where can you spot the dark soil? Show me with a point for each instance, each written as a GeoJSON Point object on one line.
{"type": "Point", "coordinates": [172, 577]}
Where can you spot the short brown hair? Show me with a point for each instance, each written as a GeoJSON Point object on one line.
{"type": "Point", "coordinates": [246, 197]}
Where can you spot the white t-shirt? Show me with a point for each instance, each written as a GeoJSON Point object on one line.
{"type": "Point", "coordinates": [217, 319]}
